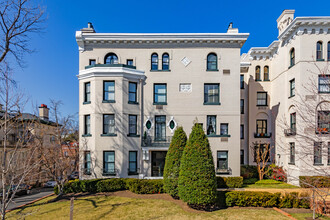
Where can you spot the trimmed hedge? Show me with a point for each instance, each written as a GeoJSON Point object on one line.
{"type": "Point", "coordinates": [265, 199]}
{"type": "Point", "coordinates": [143, 186]}
{"type": "Point", "coordinates": [249, 171]}
{"type": "Point", "coordinates": [267, 182]}
{"type": "Point", "coordinates": [197, 182]}
{"type": "Point", "coordinates": [172, 162]}
{"type": "Point", "coordinates": [111, 185]}
{"type": "Point", "coordinates": [229, 182]}
{"type": "Point", "coordinates": [316, 181]}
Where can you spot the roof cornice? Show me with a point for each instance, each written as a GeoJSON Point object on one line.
{"type": "Point", "coordinates": [159, 38]}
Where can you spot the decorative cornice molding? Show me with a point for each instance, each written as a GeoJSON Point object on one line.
{"type": "Point", "coordinates": [112, 72]}
{"type": "Point", "coordinates": [159, 38]}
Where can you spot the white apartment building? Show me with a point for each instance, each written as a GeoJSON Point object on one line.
{"type": "Point", "coordinates": [285, 88]}
{"type": "Point", "coordinates": [135, 89]}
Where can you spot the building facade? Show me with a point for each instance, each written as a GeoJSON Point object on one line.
{"type": "Point", "coordinates": [135, 89]}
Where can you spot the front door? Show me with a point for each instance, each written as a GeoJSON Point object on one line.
{"type": "Point", "coordinates": [158, 162]}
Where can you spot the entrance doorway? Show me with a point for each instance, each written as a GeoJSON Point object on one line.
{"type": "Point", "coordinates": [157, 163]}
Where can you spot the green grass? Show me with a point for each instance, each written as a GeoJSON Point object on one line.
{"type": "Point", "coordinates": [303, 216]}
{"type": "Point", "coordinates": [270, 185]}
{"type": "Point", "coordinates": [110, 207]}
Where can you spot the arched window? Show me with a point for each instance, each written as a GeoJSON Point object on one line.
{"type": "Point", "coordinates": [111, 58]}
{"type": "Point", "coordinates": [166, 61]}
{"type": "Point", "coordinates": [292, 57]}
{"type": "Point", "coordinates": [319, 50]}
{"type": "Point", "coordinates": [329, 51]}
{"type": "Point", "coordinates": [266, 73]}
{"type": "Point", "coordinates": [212, 62]}
{"type": "Point", "coordinates": [154, 61]}
{"type": "Point", "coordinates": [258, 73]}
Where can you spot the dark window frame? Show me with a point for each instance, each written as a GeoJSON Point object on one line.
{"type": "Point", "coordinates": [226, 161]}
{"type": "Point", "coordinates": [132, 92]}
{"type": "Point", "coordinates": [319, 51]}
{"type": "Point", "coordinates": [87, 124]}
{"type": "Point", "coordinates": [242, 157]}
{"type": "Point", "coordinates": [92, 62]}
{"type": "Point", "coordinates": [104, 132]}
{"type": "Point", "coordinates": [292, 57]}
{"type": "Point", "coordinates": [87, 161]}
{"type": "Point", "coordinates": [266, 73]}
{"type": "Point", "coordinates": [263, 99]}
{"type": "Point", "coordinates": [293, 121]}
{"type": "Point", "coordinates": [207, 95]}
{"type": "Point", "coordinates": [154, 61]}
{"type": "Point", "coordinates": [323, 124]}
{"type": "Point", "coordinates": [130, 172]}
{"type": "Point", "coordinates": [87, 94]}
{"type": "Point", "coordinates": [129, 125]}
{"type": "Point", "coordinates": [113, 60]}
{"type": "Point", "coordinates": [292, 153]}
{"type": "Point", "coordinates": [318, 153]}
{"type": "Point", "coordinates": [242, 81]}
{"type": "Point", "coordinates": [292, 87]}
{"type": "Point", "coordinates": [325, 77]}
{"type": "Point", "coordinates": [258, 73]}
{"type": "Point", "coordinates": [263, 127]}
{"type": "Point", "coordinates": [105, 172]}
{"type": "Point", "coordinates": [165, 63]}
{"type": "Point", "coordinates": [242, 106]}
{"type": "Point", "coordinates": [222, 130]}
{"type": "Point", "coordinates": [242, 131]}
{"type": "Point", "coordinates": [128, 61]}
{"type": "Point", "coordinates": [109, 91]}
{"type": "Point", "coordinates": [207, 124]}
{"type": "Point", "coordinates": [162, 94]}
{"type": "Point", "coordinates": [161, 137]}
{"type": "Point", "coordinates": [212, 65]}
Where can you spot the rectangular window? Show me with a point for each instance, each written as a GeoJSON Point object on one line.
{"type": "Point", "coordinates": [211, 94]}
{"type": "Point", "coordinates": [129, 62]}
{"type": "Point", "coordinates": [292, 153]}
{"type": "Point", "coordinates": [324, 83]}
{"type": "Point", "coordinates": [323, 122]}
{"type": "Point", "coordinates": [293, 121]}
{"type": "Point", "coordinates": [108, 91]}
{"type": "Point", "coordinates": [242, 81]}
{"type": "Point", "coordinates": [92, 62]}
{"type": "Point", "coordinates": [132, 90]}
{"type": "Point", "coordinates": [261, 126]}
{"type": "Point", "coordinates": [132, 124]}
{"type": "Point", "coordinates": [292, 87]}
{"type": "Point", "coordinates": [132, 166]}
{"type": "Point", "coordinates": [160, 94]}
{"type": "Point", "coordinates": [242, 157]}
{"type": "Point", "coordinates": [222, 160]}
{"type": "Point", "coordinates": [211, 124]}
{"type": "Point", "coordinates": [109, 163]}
{"type": "Point", "coordinates": [160, 128]}
{"type": "Point", "coordinates": [223, 129]}
{"type": "Point", "coordinates": [87, 162]}
{"type": "Point", "coordinates": [87, 95]}
{"type": "Point", "coordinates": [87, 125]}
{"type": "Point", "coordinates": [242, 131]}
{"type": "Point", "coordinates": [261, 98]}
{"type": "Point", "coordinates": [109, 124]}
{"type": "Point", "coordinates": [317, 152]}
{"type": "Point", "coordinates": [242, 106]}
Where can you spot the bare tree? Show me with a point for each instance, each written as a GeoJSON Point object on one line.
{"type": "Point", "coordinates": [56, 162]}
{"type": "Point", "coordinates": [18, 18]}
{"type": "Point", "coordinates": [261, 153]}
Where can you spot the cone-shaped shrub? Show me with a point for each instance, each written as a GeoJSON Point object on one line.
{"type": "Point", "coordinates": [172, 162]}
{"type": "Point", "coordinates": [197, 182]}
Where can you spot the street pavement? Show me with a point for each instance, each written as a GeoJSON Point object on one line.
{"type": "Point", "coordinates": [35, 194]}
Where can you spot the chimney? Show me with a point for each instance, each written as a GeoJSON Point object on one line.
{"type": "Point", "coordinates": [44, 112]}
{"type": "Point", "coordinates": [231, 29]}
{"type": "Point", "coordinates": [89, 29]}
{"type": "Point", "coordinates": [284, 20]}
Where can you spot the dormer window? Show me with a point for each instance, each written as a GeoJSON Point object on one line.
{"type": "Point", "coordinates": [111, 58]}
{"type": "Point", "coordinates": [212, 64]}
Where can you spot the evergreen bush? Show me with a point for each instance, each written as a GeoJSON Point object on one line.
{"type": "Point", "coordinates": [172, 162]}
{"type": "Point", "coordinates": [111, 185]}
{"type": "Point", "coordinates": [197, 182]}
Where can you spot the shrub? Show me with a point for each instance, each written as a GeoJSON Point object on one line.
{"type": "Point", "coordinates": [77, 186]}
{"type": "Point", "coordinates": [110, 185]}
{"type": "Point", "coordinates": [270, 182]}
{"type": "Point", "coordinates": [143, 186]}
{"type": "Point", "coordinates": [252, 199]}
{"type": "Point", "coordinates": [250, 181]}
{"type": "Point", "coordinates": [56, 190]}
{"type": "Point", "coordinates": [276, 173]}
{"type": "Point", "coordinates": [172, 162]}
{"type": "Point", "coordinates": [316, 181]}
{"type": "Point", "coordinates": [229, 182]}
{"type": "Point", "coordinates": [249, 171]}
{"type": "Point", "coordinates": [197, 182]}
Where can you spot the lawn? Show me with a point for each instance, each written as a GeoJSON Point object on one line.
{"type": "Point", "coordinates": [114, 207]}
{"type": "Point", "coordinates": [270, 186]}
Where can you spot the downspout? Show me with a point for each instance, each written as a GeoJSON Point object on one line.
{"type": "Point", "coordinates": [141, 126]}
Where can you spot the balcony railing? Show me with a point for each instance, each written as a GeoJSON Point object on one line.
{"type": "Point", "coordinates": [322, 131]}
{"type": "Point", "coordinates": [290, 131]}
{"type": "Point", "coordinates": [222, 171]}
{"type": "Point", "coordinates": [110, 65]}
{"type": "Point", "coordinates": [151, 141]}
{"type": "Point", "coordinates": [262, 135]}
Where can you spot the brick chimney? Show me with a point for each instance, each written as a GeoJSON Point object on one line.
{"type": "Point", "coordinates": [44, 112]}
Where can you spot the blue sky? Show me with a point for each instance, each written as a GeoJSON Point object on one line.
{"type": "Point", "coordinates": [51, 71]}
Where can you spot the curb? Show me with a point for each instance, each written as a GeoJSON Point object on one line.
{"type": "Point", "coordinates": [36, 200]}
{"type": "Point", "coordinates": [284, 213]}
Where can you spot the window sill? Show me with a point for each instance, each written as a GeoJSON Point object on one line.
{"type": "Point", "coordinates": [242, 88]}
{"type": "Point", "coordinates": [108, 135]}
{"type": "Point", "coordinates": [160, 70]}
{"type": "Point", "coordinates": [217, 135]}
{"type": "Point", "coordinates": [211, 103]}
{"type": "Point", "coordinates": [216, 70]}
{"type": "Point", "coordinates": [258, 80]}
{"type": "Point", "coordinates": [291, 163]}
{"type": "Point", "coordinates": [108, 174]}
{"type": "Point", "coordinates": [291, 96]}
{"type": "Point", "coordinates": [133, 135]}
{"type": "Point", "coordinates": [319, 59]}
{"type": "Point", "coordinates": [133, 103]}
{"type": "Point", "coordinates": [266, 80]}
{"type": "Point", "coordinates": [291, 66]}
{"type": "Point", "coordinates": [109, 101]}
{"type": "Point", "coordinates": [86, 135]}
{"type": "Point", "coordinates": [86, 103]}
{"type": "Point", "coordinates": [131, 174]}
{"type": "Point", "coordinates": [318, 164]}
{"type": "Point", "coordinates": [160, 103]}
{"type": "Point", "coordinates": [324, 92]}
{"type": "Point", "coordinates": [225, 135]}
{"type": "Point", "coordinates": [262, 105]}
